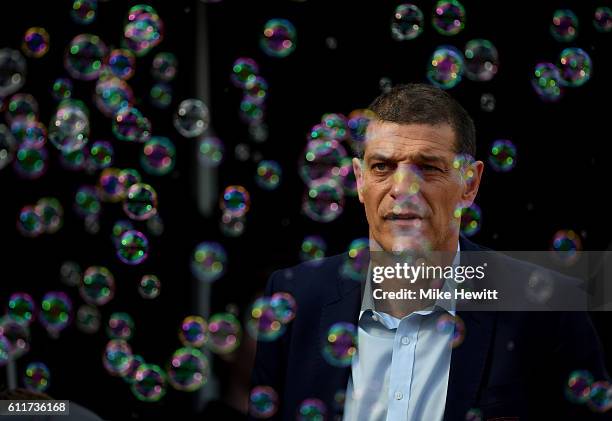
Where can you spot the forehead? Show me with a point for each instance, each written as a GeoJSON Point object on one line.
{"type": "Point", "coordinates": [402, 140]}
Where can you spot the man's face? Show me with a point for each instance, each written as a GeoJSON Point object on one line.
{"type": "Point", "coordinates": [411, 187]}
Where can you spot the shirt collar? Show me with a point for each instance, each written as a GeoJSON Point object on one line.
{"type": "Point", "coordinates": [367, 302]}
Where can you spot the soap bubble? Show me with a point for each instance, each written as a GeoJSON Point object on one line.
{"type": "Point", "coordinates": [140, 202]}
{"type": "Point", "coordinates": [188, 369]}
{"type": "Point", "coordinates": [149, 383]}
{"type": "Point", "coordinates": [21, 308]}
{"type": "Point", "coordinates": [98, 285]}
{"type": "Point", "coordinates": [101, 154]}
{"type": "Point", "coordinates": [17, 336]}
{"type": "Point", "coordinates": [262, 322]}
{"type": "Point", "coordinates": [164, 66]}
{"type": "Point", "coordinates": [193, 331]}
{"type": "Point", "coordinates": [37, 377]}
{"type": "Point", "coordinates": [481, 60]}
{"type": "Point", "coordinates": [263, 402]}
{"type": "Point", "coordinates": [84, 57]}
{"type": "Point", "coordinates": [84, 11]}
{"type": "Point", "coordinates": [323, 200]}
{"type": "Point", "coordinates": [209, 261]}
{"type": "Point", "coordinates": [12, 71]}
{"type": "Point", "coordinates": [56, 311]}
{"type": "Point", "coordinates": [35, 42]}
{"type": "Point", "coordinates": [133, 247]}
{"type": "Point", "coordinates": [448, 17]}
{"type": "Point", "coordinates": [51, 214]}
{"type": "Point", "coordinates": [224, 333]}
{"type": "Point", "coordinates": [313, 248]}
{"type": "Point", "coordinates": [446, 66]}
{"type": "Point", "coordinates": [578, 386]}
{"type": "Point", "coordinates": [602, 19]}
{"type": "Point", "coordinates": [191, 118]}
{"type": "Point", "coordinates": [143, 30]}
{"type": "Point", "coordinates": [278, 38]}
{"type": "Point", "coordinates": [131, 125]}
{"type": "Point", "coordinates": [407, 22]}
{"type": "Point", "coordinates": [564, 25]}
{"type": "Point", "coordinates": [575, 67]}
{"type": "Point", "coordinates": [88, 319]}
{"type": "Point", "coordinates": [61, 89]}
{"type": "Point", "coordinates": [268, 174]}
{"type": "Point", "coordinates": [210, 151]}
{"type": "Point", "coordinates": [117, 357]}
{"type": "Point", "coordinates": [121, 63]}
{"type": "Point", "coordinates": [112, 94]}
{"type": "Point", "coordinates": [149, 287]}
{"type": "Point", "coordinates": [69, 127]}
{"type": "Point", "coordinates": [110, 185]}
{"type": "Point", "coordinates": [158, 156]}
{"type": "Point", "coordinates": [8, 145]}
{"type": "Point", "coordinates": [29, 222]}
{"type": "Point", "coordinates": [120, 326]}
{"type": "Point", "coordinates": [87, 202]}
{"type": "Point", "coordinates": [30, 162]}
{"type": "Point", "coordinates": [341, 344]}
{"type": "Point", "coordinates": [235, 200]}
{"type": "Point", "coordinates": [502, 155]}
{"type": "Point", "coordinates": [244, 71]}
{"type": "Point", "coordinates": [161, 95]}
{"type": "Point", "coordinates": [547, 82]}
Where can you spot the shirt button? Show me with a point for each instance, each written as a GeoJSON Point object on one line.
{"type": "Point", "coordinates": [405, 340]}
{"type": "Point", "coordinates": [375, 317]}
{"type": "Point", "coordinates": [399, 395]}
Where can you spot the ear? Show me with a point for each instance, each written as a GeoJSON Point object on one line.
{"type": "Point", "coordinates": [472, 183]}
{"type": "Point", "coordinates": [358, 170]}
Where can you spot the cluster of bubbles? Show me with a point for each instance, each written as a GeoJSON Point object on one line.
{"type": "Point", "coordinates": [581, 388]}
{"type": "Point", "coordinates": [45, 217]}
{"type": "Point", "coordinates": [143, 29]}
{"type": "Point", "coordinates": [268, 316]}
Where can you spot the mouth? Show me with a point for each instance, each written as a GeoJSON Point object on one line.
{"type": "Point", "coordinates": [405, 220]}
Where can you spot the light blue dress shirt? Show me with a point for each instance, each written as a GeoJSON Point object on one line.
{"type": "Point", "coordinates": [401, 368]}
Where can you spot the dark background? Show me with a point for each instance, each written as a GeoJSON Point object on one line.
{"type": "Point", "coordinates": [560, 181]}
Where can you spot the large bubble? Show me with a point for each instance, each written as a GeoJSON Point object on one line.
{"type": "Point", "coordinates": [84, 57]}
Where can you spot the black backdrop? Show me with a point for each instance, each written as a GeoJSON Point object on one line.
{"type": "Point", "coordinates": [559, 182]}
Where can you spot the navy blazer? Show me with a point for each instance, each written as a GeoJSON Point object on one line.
{"type": "Point", "coordinates": [511, 365]}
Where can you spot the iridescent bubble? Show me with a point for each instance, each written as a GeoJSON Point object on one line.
{"type": "Point", "coordinates": [262, 321]}
{"type": "Point", "coordinates": [128, 177]}
{"type": "Point", "coordinates": [224, 333]}
{"type": "Point", "coordinates": [578, 386]}
{"type": "Point", "coordinates": [191, 118]}
{"type": "Point", "coordinates": [209, 261]}
{"type": "Point", "coordinates": [110, 185]}
{"type": "Point", "coordinates": [575, 67]}
{"type": "Point", "coordinates": [35, 42]}
{"type": "Point", "coordinates": [149, 287]}
{"type": "Point", "coordinates": [312, 410]}
{"type": "Point", "coordinates": [321, 160]}
{"type": "Point", "coordinates": [164, 66]}
{"type": "Point", "coordinates": [84, 57]}
{"type": "Point", "coordinates": [117, 357]}
{"type": "Point", "coordinates": [120, 326]}
{"type": "Point", "coordinates": [235, 200]}
{"type": "Point", "coordinates": [471, 220]}
{"type": "Point", "coordinates": [188, 369]}
{"type": "Point", "coordinates": [149, 383]}
{"type": "Point", "coordinates": [232, 225]}
{"type": "Point", "coordinates": [481, 60]}
{"type": "Point", "coordinates": [69, 127]}
{"type": "Point", "coordinates": [21, 105]}
{"type": "Point", "coordinates": [258, 131]}
{"type": "Point", "coordinates": [30, 133]}
{"type": "Point", "coordinates": [12, 71]}
{"type": "Point", "coordinates": [446, 66]}
{"type": "Point", "coordinates": [121, 63]}
{"type": "Point", "coordinates": [602, 19]}
{"type": "Point", "coordinates": [600, 398]}
{"type": "Point", "coordinates": [84, 11]}
{"type": "Point", "coordinates": [101, 154]}
{"type": "Point", "coordinates": [7, 146]}
{"type": "Point", "coordinates": [313, 248]}
{"type": "Point", "coordinates": [21, 308]}
{"type": "Point", "coordinates": [98, 286]}
{"type": "Point", "coordinates": [453, 325]}
{"type": "Point", "coordinates": [71, 273]}
{"type": "Point", "coordinates": [88, 319]}
{"type": "Point", "coordinates": [358, 124]}
{"type": "Point", "coordinates": [547, 82]}
{"type": "Point", "coordinates": [133, 247]}
{"type": "Point", "coordinates": [155, 225]}
{"type": "Point", "coordinates": [263, 402]}
{"type": "Point", "coordinates": [278, 38]}
{"type": "Point", "coordinates": [17, 335]}
{"type": "Point", "coordinates": [251, 111]}
{"type": "Point", "coordinates": [407, 22]}
{"type": "Point", "coordinates": [567, 244]}
{"type": "Point", "coordinates": [140, 202]}
{"type": "Point", "coordinates": [87, 202]}
{"type": "Point", "coordinates": [320, 132]}
{"type": "Point", "coordinates": [130, 125]}
{"type": "Point", "coordinates": [5, 349]}
{"type": "Point", "coordinates": [161, 95]}
{"type": "Point", "coordinates": [347, 177]}
{"type": "Point", "coordinates": [137, 361]}
{"type": "Point", "coordinates": [268, 174]}
{"type": "Point", "coordinates": [30, 162]}
{"type": "Point", "coordinates": [37, 377]}
{"type": "Point", "coordinates": [340, 344]}
{"type": "Point", "coordinates": [502, 156]}
{"type": "Point", "coordinates": [112, 94]}
{"type": "Point", "coordinates": [210, 151]}
{"type": "Point", "coordinates": [323, 200]}
{"type": "Point", "coordinates": [244, 71]}
{"type": "Point", "coordinates": [256, 90]}
{"type": "Point", "coordinates": [51, 214]}
{"type": "Point", "coordinates": [158, 156]}
{"type": "Point", "coordinates": [448, 17]}
{"type": "Point", "coordinates": [356, 263]}
{"type": "Point", "coordinates": [337, 125]}
{"type": "Point", "coordinates": [29, 222]}
{"type": "Point", "coordinates": [193, 331]}
{"type": "Point", "coordinates": [143, 29]}
{"type": "Point", "coordinates": [55, 311]}
{"type": "Point", "coordinates": [473, 414]}
{"type": "Point", "coordinates": [61, 89]}
{"type": "Point", "coordinates": [564, 25]}
{"type": "Point", "coordinates": [284, 306]}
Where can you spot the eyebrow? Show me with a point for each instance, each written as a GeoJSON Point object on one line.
{"type": "Point", "coordinates": [419, 157]}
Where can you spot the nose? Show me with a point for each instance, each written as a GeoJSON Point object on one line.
{"type": "Point", "coordinates": [407, 181]}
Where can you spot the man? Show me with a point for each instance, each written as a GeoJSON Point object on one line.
{"type": "Point", "coordinates": [416, 172]}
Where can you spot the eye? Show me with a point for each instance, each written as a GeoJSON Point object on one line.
{"type": "Point", "coordinates": [430, 168]}
{"type": "Point", "coordinates": [380, 167]}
